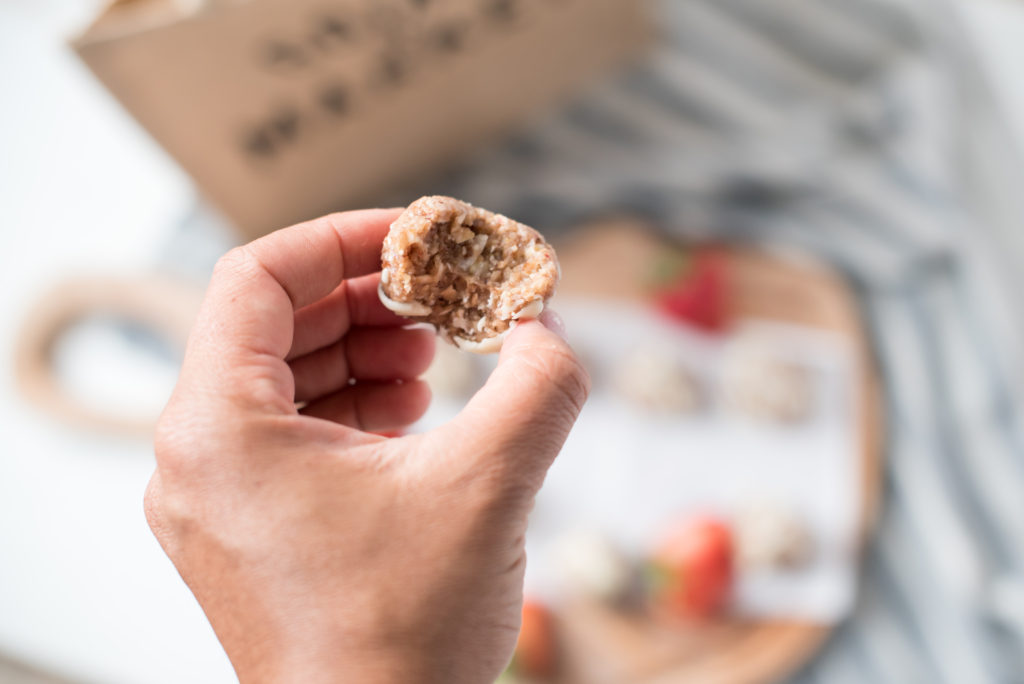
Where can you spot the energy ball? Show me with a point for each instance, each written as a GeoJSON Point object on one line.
{"type": "Point", "coordinates": [653, 378]}
{"type": "Point", "coordinates": [772, 536]}
{"type": "Point", "coordinates": [767, 388]}
{"type": "Point", "coordinates": [468, 272]}
{"type": "Point", "coordinates": [592, 566]}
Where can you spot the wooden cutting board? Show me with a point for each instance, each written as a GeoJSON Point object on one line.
{"type": "Point", "coordinates": [603, 646]}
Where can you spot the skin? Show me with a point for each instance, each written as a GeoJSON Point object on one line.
{"type": "Point", "coordinates": [321, 552]}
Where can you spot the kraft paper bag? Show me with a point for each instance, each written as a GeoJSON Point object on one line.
{"type": "Point", "coordinates": [285, 109]}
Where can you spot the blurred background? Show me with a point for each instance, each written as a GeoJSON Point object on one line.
{"type": "Point", "coordinates": [801, 216]}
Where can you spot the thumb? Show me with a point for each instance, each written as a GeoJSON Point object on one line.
{"type": "Point", "coordinates": [520, 419]}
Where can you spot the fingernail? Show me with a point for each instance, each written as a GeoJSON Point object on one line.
{"type": "Point", "coordinates": [553, 322]}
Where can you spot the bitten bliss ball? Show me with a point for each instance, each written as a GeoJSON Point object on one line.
{"type": "Point", "coordinates": [470, 273]}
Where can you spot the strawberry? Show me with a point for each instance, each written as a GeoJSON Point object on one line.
{"type": "Point", "coordinates": [698, 297]}
{"type": "Point", "coordinates": [535, 655]}
{"type": "Point", "coordinates": [691, 574]}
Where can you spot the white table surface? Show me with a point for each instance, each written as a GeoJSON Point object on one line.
{"type": "Point", "coordinates": [84, 588]}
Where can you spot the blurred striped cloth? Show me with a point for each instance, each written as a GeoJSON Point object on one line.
{"type": "Point", "coordinates": [858, 130]}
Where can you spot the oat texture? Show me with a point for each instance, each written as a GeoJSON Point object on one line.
{"type": "Point", "coordinates": [468, 272]}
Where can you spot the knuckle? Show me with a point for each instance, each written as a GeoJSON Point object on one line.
{"type": "Point", "coordinates": [151, 505]}
{"type": "Point", "coordinates": [235, 260]}
{"type": "Point", "coordinates": [165, 515]}
{"type": "Point", "coordinates": [163, 443]}
{"type": "Point", "coordinates": [167, 443]}
{"type": "Point", "coordinates": [180, 438]}
{"type": "Point", "coordinates": [231, 259]}
{"type": "Point", "coordinates": [335, 221]}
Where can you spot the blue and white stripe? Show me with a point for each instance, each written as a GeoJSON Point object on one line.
{"type": "Point", "coordinates": [861, 131]}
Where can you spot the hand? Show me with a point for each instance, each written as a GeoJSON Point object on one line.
{"type": "Point", "coordinates": [321, 552]}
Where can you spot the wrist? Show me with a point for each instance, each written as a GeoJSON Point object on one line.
{"type": "Point", "coordinates": [330, 663]}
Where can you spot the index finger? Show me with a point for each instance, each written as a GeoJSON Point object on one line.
{"type": "Point", "coordinates": [256, 289]}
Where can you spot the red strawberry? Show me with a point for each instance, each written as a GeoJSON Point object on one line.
{"type": "Point", "coordinates": [535, 655]}
{"type": "Point", "coordinates": [699, 297]}
{"type": "Point", "coordinates": [691, 573]}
